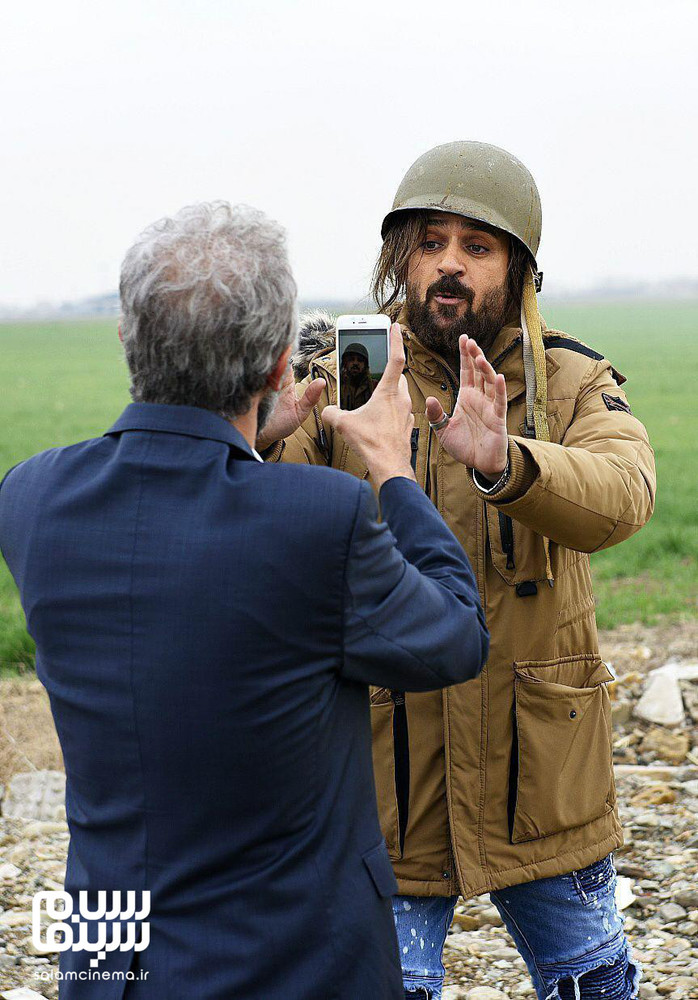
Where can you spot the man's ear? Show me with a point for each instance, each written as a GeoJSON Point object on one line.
{"type": "Point", "coordinates": [276, 376]}
{"type": "Point", "coordinates": [121, 336]}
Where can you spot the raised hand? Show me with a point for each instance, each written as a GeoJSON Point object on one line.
{"type": "Point", "coordinates": [379, 431]}
{"type": "Point", "coordinates": [290, 410]}
{"type": "Point", "coordinates": [476, 434]}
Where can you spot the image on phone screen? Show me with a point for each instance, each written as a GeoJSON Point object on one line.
{"type": "Point", "coordinates": [363, 355]}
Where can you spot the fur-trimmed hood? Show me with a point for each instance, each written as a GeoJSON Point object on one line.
{"type": "Point", "coordinates": [317, 333]}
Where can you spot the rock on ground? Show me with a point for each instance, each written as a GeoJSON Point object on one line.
{"type": "Point", "coordinates": [36, 795]}
{"type": "Point", "coordinates": [661, 701]}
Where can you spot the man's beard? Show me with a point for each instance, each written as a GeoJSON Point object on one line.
{"type": "Point", "coordinates": [482, 324]}
{"type": "Point", "coordinates": [265, 409]}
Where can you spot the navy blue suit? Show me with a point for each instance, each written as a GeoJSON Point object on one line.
{"type": "Point", "coordinates": [206, 627]}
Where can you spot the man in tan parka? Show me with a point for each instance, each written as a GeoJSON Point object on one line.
{"type": "Point", "coordinates": [503, 784]}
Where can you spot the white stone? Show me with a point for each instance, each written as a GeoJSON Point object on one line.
{"type": "Point", "coordinates": [9, 870]}
{"type": "Point", "coordinates": [36, 795]}
{"type": "Point", "coordinates": [490, 915]}
{"type": "Point", "coordinates": [23, 993]}
{"type": "Point", "coordinates": [16, 918]}
{"type": "Point", "coordinates": [661, 701]}
{"type": "Point", "coordinates": [30, 948]}
{"type": "Point", "coordinates": [685, 671]}
{"type": "Point", "coordinates": [625, 896]}
{"type": "Point", "coordinates": [44, 828]}
{"type": "Point", "coordinates": [454, 993]}
{"type": "Point", "coordinates": [486, 993]}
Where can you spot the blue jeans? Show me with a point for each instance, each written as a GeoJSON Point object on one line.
{"type": "Point", "coordinates": [567, 929]}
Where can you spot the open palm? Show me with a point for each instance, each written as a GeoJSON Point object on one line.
{"type": "Point", "coordinates": [290, 410]}
{"type": "Point", "coordinates": [476, 434]}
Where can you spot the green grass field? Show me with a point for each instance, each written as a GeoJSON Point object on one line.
{"type": "Point", "coordinates": [63, 382]}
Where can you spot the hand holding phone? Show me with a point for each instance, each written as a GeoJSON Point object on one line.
{"type": "Point", "coordinates": [362, 354]}
{"type": "Point", "coordinates": [379, 429]}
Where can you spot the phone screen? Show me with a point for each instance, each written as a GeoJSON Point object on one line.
{"type": "Point", "coordinates": [363, 355]}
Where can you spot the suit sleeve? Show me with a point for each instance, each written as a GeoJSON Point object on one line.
{"type": "Point", "coordinates": [412, 615]}
{"type": "Point", "coordinates": [597, 487]}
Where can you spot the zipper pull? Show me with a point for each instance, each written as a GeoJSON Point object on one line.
{"type": "Point", "coordinates": [506, 531]}
{"type": "Point", "coordinates": [414, 445]}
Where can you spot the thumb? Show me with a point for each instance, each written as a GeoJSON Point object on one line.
{"type": "Point", "coordinates": [435, 410]}
{"type": "Point", "coordinates": [310, 397]}
{"type": "Point", "coordinates": [396, 358]}
{"type": "Point", "coordinates": [331, 416]}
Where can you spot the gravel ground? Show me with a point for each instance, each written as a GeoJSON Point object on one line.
{"type": "Point", "coordinates": [657, 778]}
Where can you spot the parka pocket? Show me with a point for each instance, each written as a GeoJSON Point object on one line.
{"type": "Point", "coordinates": [517, 553]}
{"type": "Point", "coordinates": [563, 775]}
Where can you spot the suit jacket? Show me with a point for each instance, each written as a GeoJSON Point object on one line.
{"type": "Point", "coordinates": [207, 627]}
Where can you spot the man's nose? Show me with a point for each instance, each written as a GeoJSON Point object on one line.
{"type": "Point", "coordinates": [451, 263]}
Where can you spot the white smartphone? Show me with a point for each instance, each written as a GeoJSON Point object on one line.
{"type": "Point", "coordinates": [362, 354]}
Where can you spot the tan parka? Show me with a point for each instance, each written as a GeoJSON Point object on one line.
{"type": "Point", "coordinates": [508, 778]}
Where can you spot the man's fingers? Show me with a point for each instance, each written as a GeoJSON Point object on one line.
{"type": "Point", "coordinates": [404, 389]}
{"type": "Point", "coordinates": [435, 410]}
{"type": "Point", "coordinates": [469, 350]}
{"type": "Point", "coordinates": [396, 357]}
{"type": "Point", "coordinates": [466, 365]}
{"type": "Point", "coordinates": [487, 375]}
{"type": "Point", "coordinates": [485, 367]}
{"type": "Point", "coordinates": [500, 396]}
{"type": "Point", "coordinates": [311, 396]}
{"type": "Point", "coordinates": [331, 416]}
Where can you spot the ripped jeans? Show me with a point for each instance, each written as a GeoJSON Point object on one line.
{"type": "Point", "coordinates": [567, 929]}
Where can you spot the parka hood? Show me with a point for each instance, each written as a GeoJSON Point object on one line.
{"type": "Point", "coordinates": [316, 334]}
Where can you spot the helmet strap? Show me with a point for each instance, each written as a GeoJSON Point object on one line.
{"type": "Point", "coordinates": [535, 372]}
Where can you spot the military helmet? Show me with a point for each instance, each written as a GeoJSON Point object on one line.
{"type": "Point", "coordinates": [477, 180]}
{"type": "Point", "coordinates": [356, 349]}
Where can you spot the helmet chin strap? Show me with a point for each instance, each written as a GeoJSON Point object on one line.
{"type": "Point", "coordinates": [535, 371]}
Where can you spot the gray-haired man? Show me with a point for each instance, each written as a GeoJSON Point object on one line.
{"type": "Point", "coordinates": [208, 662]}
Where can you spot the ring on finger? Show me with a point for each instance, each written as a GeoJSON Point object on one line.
{"type": "Point", "coordinates": [440, 423]}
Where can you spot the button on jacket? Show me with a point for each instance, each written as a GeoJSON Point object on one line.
{"type": "Point", "coordinates": [207, 627]}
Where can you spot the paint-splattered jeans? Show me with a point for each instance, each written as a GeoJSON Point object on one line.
{"type": "Point", "coordinates": [567, 929]}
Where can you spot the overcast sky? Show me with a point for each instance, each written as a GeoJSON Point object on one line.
{"type": "Point", "coordinates": [115, 114]}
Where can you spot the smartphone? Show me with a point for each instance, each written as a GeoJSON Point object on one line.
{"type": "Point", "coordinates": [362, 354]}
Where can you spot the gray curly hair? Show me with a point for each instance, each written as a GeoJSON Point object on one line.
{"type": "Point", "coordinates": [208, 306]}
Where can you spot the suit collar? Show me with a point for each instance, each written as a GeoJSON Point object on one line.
{"type": "Point", "coordinates": [190, 421]}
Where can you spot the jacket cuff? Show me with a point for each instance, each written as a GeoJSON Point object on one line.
{"type": "Point", "coordinates": [522, 476]}
{"type": "Point", "coordinates": [274, 452]}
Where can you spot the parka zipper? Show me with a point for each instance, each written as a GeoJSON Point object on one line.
{"type": "Point", "coordinates": [401, 751]}
{"type": "Point", "coordinates": [414, 444]}
{"type": "Point", "coordinates": [427, 474]}
{"type": "Point", "coordinates": [452, 384]}
{"type": "Point", "coordinates": [526, 588]}
{"type": "Point", "coordinates": [324, 443]}
{"type": "Point", "coordinates": [513, 774]}
{"type": "Point", "coordinates": [506, 532]}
